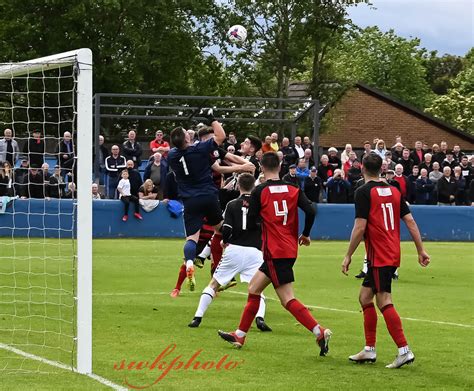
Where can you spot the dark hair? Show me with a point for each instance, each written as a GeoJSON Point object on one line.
{"type": "Point", "coordinates": [246, 182]}
{"type": "Point", "coordinates": [256, 142]}
{"type": "Point", "coordinates": [204, 132]}
{"type": "Point", "coordinates": [178, 137]}
{"type": "Point", "coordinates": [372, 163]}
{"type": "Point", "coordinates": [270, 161]}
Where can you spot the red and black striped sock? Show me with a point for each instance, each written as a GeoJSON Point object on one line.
{"type": "Point", "coordinates": [394, 325]}
{"type": "Point", "coordinates": [370, 324]}
{"type": "Point", "coordinates": [250, 311]}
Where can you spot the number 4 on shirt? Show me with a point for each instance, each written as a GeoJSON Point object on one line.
{"type": "Point", "coordinates": [281, 212]}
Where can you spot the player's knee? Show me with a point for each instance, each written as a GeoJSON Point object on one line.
{"type": "Point", "coordinates": [383, 299]}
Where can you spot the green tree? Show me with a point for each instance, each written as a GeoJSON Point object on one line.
{"type": "Point", "coordinates": [457, 106]}
{"type": "Point", "coordinates": [138, 46]}
{"type": "Point", "coordinates": [440, 71]}
{"type": "Point", "coordinates": [282, 35]}
{"type": "Point", "coordinates": [382, 60]}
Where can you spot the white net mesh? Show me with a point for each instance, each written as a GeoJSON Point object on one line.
{"type": "Point", "coordinates": [37, 217]}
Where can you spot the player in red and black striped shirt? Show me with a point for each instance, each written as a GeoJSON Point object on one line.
{"type": "Point", "coordinates": [379, 208]}
{"type": "Point", "coordinates": [275, 203]}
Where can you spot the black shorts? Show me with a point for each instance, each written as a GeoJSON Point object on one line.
{"type": "Point", "coordinates": [279, 271]}
{"type": "Point", "coordinates": [198, 208]}
{"type": "Point", "coordinates": [379, 278]}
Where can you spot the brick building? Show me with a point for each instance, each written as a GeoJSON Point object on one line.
{"type": "Point", "coordinates": [364, 113]}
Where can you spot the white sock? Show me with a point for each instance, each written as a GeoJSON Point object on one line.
{"type": "Point", "coordinates": [205, 252]}
{"type": "Point", "coordinates": [240, 333]}
{"type": "Point", "coordinates": [317, 331]}
{"type": "Point", "coordinates": [261, 308]}
{"type": "Point", "coordinates": [206, 299]}
{"type": "Point", "coordinates": [369, 348]}
{"type": "Point", "coordinates": [365, 267]}
{"type": "Point", "coordinates": [403, 350]}
{"type": "Point", "coordinates": [189, 263]}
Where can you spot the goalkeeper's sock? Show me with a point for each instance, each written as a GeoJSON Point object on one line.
{"type": "Point", "coordinates": [189, 252]}
{"type": "Point", "coordinates": [181, 276]}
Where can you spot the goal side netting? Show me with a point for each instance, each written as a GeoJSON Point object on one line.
{"type": "Point", "coordinates": [46, 214]}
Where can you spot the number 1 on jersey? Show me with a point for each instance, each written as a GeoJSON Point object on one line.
{"type": "Point", "coordinates": [283, 212]}
{"type": "Point", "coordinates": [185, 167]}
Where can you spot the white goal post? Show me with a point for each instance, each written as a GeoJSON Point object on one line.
{"type": "Point", "coordinates": [81, 60]}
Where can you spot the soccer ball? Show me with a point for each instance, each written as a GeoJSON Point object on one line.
{"type": "Point", "coordinates": [237, 34]}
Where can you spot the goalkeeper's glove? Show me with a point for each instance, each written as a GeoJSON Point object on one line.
{"type": "Point", "coordinates": [208, 114]}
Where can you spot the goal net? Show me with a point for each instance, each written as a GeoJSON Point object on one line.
{"type": "Point", "coordinates": [45, 214]}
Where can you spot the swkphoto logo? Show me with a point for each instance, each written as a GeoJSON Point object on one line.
{"type": "Point", "coordinates": [170, 360]}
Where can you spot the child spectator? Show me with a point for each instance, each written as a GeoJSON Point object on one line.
{"type": "Point", "coordinates": [126, 197]}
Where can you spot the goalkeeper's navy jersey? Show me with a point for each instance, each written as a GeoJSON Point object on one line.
{"type": "Point", "coordinates": [237, 229]}
{"type": "Point", "coordinates": [193, 169]}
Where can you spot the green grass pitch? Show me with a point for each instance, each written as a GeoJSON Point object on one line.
{"type": "Point", "coordinates": [135, 320]}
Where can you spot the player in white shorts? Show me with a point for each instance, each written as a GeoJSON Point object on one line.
{"type": "Point", "coordinates": [242, 254]}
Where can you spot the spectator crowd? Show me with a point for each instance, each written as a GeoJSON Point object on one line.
{"type": "Point", "coordinates": [424, 175]}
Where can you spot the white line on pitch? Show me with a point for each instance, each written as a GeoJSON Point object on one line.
{"type": "Point", "coordinates": [30, 356]}
{"type": "Point", "coordinates": [469, 326]}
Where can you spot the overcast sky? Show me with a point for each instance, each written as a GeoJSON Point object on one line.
{"type": "Point", "coordinates": [442, 25]}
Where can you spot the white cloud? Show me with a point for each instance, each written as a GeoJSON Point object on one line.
{"type": "Point", "coordinates": [443, 25]}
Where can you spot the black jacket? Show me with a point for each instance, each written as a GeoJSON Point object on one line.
{"type": "Point", "coordinates": [62, 151]}
{"type": "Point", "coordinates": [135, 181]}
{"type": "Point", "coordinates": [132, 152]}
{"type": "Point", "coordinates": [446, 189]}
{"type": "Point", "coordinates": [34, 150]}
{"type": "Point", "coordinates": [312, 188]}
{"type": "Point", "coordinates": [291, 179]}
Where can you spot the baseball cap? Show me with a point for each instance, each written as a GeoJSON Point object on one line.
{"type": "Point", "coordinates": [313, 169]}
{"type": "Point", "coordinates": [332, 149]}
{"type": "Point", "coordinates": [293, 166]}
